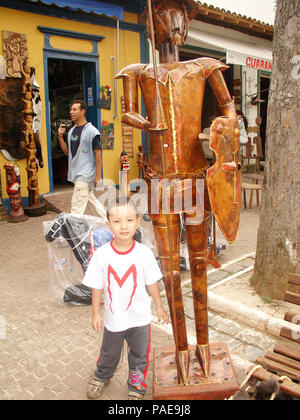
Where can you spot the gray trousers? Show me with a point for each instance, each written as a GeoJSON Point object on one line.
{"type": "Point", "coordinates": [138, 339]}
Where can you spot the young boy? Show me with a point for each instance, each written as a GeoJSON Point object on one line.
{"type": "Point", "coordinates": [122, 269]}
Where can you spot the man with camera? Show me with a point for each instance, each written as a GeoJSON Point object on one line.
{"type": "Point", "coordinates": [83, 148]}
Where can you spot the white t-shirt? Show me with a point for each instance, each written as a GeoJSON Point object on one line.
{"type": "Point", "coordinates": [123, 276]}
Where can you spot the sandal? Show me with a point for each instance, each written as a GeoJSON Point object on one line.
{"type": "Point", "coordinates": [95, 388]}
{"type": "Point", "coordinates": [135, 396]}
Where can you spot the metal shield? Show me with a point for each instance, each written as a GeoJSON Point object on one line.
{"type": "Point", "coordinates": [224, 177]}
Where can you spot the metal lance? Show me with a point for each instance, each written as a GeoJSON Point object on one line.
{"type": "Point", "coordinates": [158, 125]}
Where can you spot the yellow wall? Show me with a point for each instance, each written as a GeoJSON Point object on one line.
{"type": "Point", "coordinates": [27, 23]}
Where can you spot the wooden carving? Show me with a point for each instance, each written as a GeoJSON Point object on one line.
{"type": "Point", "coordinates": [13, 189]}
{"type": "Point", "coordinates": [141, 161]}
{"type": "Point", "coordinates": [12, 143]}
{"type": "Point", "coordinates": [32, 166]}
{"type": "Point", "coordinates": [124, 169]}
{"type": "Point", "coordinates": [173, 93]}
{"type": "Point", "coordinates": [15, 52]}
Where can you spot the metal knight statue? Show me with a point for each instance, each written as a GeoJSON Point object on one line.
{"type": "Point", "coordinates": [173, 93]}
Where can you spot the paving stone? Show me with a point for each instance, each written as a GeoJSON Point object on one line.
{"type": "Point", "coordinates": [252, 353]}
{"type": "Point", "coordinates": [226, 326]}
{"type": "Point", "coordinates": [216, 276]}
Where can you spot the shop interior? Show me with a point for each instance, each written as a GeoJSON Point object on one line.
{"type": "Point", "coordinates": [264, 94]}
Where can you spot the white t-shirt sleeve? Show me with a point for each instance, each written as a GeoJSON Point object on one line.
{"type": "Point", "coordinates": [94, 276]}
{"type": "Point", "coordinates": [152, 272]}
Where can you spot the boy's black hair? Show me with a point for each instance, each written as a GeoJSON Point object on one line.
{"type": "Point", "coordinates": [120, 201]}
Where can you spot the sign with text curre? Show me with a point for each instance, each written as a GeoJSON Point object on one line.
{"type": "Point", "coordinates": [250, 61]}
{"type": "Point", "coordinates": [257, 63]}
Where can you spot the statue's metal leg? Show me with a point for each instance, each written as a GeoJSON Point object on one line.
{"type": "Point", "coordinates": [197, 238]}
{"type": "Point", "coordinates": [170, 265]}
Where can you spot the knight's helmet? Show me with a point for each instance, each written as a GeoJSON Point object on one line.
{"type": "Point", "coordinates": [190, 8]}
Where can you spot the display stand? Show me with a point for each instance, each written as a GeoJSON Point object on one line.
{"type": "Point", "coordinates": [221, 383]}
{"type": "Point", "coordinates": [35, 210]}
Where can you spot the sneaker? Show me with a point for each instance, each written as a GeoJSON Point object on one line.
{"type": "Point", "coordinates": [95, 388]}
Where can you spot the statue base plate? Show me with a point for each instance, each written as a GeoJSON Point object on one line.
{"type": "Point", "coordinates": [222, 382]}
{"type": "Point", "coordinates": [35, 211]}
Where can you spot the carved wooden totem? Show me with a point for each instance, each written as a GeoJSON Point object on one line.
{"type": "Point", "coordinates": [32, 166]}
{"type": "Point", "coordinates": [173, 93]}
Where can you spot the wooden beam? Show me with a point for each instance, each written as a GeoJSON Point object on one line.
{"type": "Point", "coordinates": [289, 334]}
{"type": "Point", "coordinates": [292, 317]}
{"type": "Point", "coordinates": [286, 386]}
{"type": "Point", "coordinates": [287, 350]}
{"type": "Point", "coordinates": [286, 361]}
{"type": "Point", "coordinates": [292, 297]}
{"type": "Point", "coordinates": [294, 279]}
{"type": "Point", "coordinates": [279, 368]}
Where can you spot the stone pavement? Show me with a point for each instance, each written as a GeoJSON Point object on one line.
{"type": "Point", "coordinates": [48, 350]}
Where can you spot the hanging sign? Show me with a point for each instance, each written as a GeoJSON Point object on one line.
{"type": "Point", "coordinates": [249, 61]}
{"type": "Point", "coordinates": [90, 97]}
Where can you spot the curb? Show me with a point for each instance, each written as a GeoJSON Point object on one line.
{"type": "Point", "coordinates": [252, 317]}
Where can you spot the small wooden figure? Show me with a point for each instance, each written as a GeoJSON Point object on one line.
{"type": "Point", "coordinates": [124, 168]}
{"type": "Point", "coordinates": [13, 190]}
{"type": "Point", "coordinates": [141, 161]}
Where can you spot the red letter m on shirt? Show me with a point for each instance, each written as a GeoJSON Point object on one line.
{"type": "Point", "coordinates": [131, 270]}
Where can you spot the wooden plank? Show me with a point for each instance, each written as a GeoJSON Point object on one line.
{"type": "Point", "coordinates": [292, 297]}
{"type": "Point", "coordinates": [289, 334]}
{"type": "Point", "coordinates": [279, 368]}
{"type": "Point", "coordinates": [287, 350]}
{"type": "Point", "coordinates": [251, 186]}
{"type": "Point", "coordinates": [292, 317]}
{"type": "Point", "coordinates": [294, 279]}
{"type": "Point", "coordinates": [286, 386]}
{"type": "Point", "coordinates": [254, 177]}
{"type": "Point", "coordinates": [283, 360]}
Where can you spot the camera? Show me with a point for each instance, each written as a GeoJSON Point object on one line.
{"type": "Point", "coordinates": [67, 124]}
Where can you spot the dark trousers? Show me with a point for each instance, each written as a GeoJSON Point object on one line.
{"type": "Point", "coordinates": [138, 339]}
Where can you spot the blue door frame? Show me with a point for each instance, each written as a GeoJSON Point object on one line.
{"type": "Point", "coordinates": [91, 76]}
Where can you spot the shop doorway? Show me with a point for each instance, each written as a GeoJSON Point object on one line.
{"type": "Point", "coordinates": [68, 80]}
{"type": "Point", "coordinates": [264, 95]}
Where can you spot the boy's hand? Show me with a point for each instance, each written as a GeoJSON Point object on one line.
{"type": "Point", "coordinates": [96, 322]}
{"type": "Point", "coordinates": [162, 315]}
